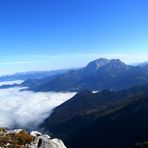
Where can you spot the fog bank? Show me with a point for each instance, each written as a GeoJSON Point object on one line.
{"type": "Point", "coordinates": [26, 108]}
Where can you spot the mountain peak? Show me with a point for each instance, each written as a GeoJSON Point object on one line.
{"type": "Point", "coordinates": [96, 64]}
{"type": "Point", "coordinates": [117, 61]}
{"type": "Point", "coordinates": [118, 64]}
{"type": "Point", "coordinates": [101, 62]}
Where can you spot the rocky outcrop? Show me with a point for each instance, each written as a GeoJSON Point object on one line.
{"type": "Point", "coordinates": [22, 139]}
{"type": "Point", "coordinates": [45, 141]}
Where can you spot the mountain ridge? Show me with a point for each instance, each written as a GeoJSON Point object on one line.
{"type": "Point", "coordinates": [31, 75]}
{"type": "Point", "coordinates": [102, 119]}
{"type": "Point", "coordinates": [97, 75]}
{"type": "Point", "coordinates": [102, 73]}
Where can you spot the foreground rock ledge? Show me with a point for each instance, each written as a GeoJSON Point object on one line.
{"type": "Point", "coordinates": [22, 139]}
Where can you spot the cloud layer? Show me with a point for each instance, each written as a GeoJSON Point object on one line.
{"type": "Point", "coordinates": [11, 82]}
{"type": "Point", "coordinates": [26, 108]}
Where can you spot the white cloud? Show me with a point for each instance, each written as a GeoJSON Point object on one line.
{"type": "Point", "coordinates": [26, 108]}
{"type": "Point", "coordinates": [11, 82]}
{"type": "Point", "coordinates": [14, 62]}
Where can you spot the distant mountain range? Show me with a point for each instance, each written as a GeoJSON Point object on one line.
{"type": "Point", "coordinates": [104, 119]}
{"type": "Point", "coordinates": [97, 75]}
{"type": "Point", "coordinates": [143, 64]}
{"type": "Point", "coordinates": [31, 75]}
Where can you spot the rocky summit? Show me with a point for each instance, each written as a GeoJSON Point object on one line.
{"type": "Point", "coordinates": [20, 138]}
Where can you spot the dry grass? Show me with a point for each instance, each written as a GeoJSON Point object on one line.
{"type": "Point", "coordinates": [15, 140]}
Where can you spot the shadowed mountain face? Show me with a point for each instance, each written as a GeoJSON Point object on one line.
{"type": "Point", "coordinates": [97, 75]}
{"type": "Point", "coordinates": [123, 127]}
{"type": "Point", "coordinates": [105, 119]}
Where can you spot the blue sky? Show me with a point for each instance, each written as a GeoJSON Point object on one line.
{"type": "Point", "coordinates": [53, 34]}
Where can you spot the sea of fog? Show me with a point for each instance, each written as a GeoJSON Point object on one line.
{"type": "Point", "coordinates": [25, 109]}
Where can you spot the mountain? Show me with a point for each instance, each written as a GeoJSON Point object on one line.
{"type": "Point", "coordinates": [97, 75]}
{"type": "Point", "coordinates": [30, 82]}
{"type": "Point", "coordinates": [104, 119]}
{"type": "Point", "coordinates": [145, 65]}
{"type": "Point", "coordinates": [32, 75]}
{"type": "Point", "coordinates": [121, 127]}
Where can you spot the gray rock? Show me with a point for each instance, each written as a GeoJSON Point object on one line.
{"type": "Point", "coordinates": [45, 141]}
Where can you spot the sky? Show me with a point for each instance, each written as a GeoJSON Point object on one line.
{"type": "Point", "coordinates": [57, 34]}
